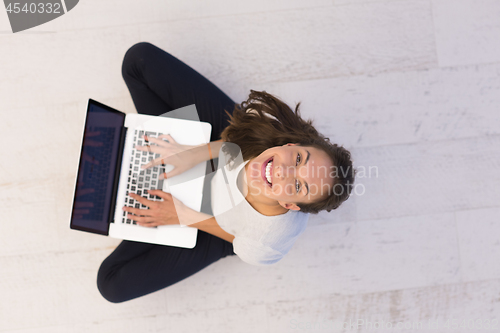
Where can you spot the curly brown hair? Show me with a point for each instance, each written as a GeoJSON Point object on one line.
{"type": "Point", "coordinates": [255, 132]}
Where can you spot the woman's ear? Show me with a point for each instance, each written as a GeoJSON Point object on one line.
{"type": "Point", "coordinates": [291, 206]}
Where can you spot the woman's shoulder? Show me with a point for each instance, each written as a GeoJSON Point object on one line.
{"type": "Point", "coordinates": [268, 238]}
{"type": "Point", "coordinates": [294, 218]}
{"type": "Point", "coordinates": [282, 234]}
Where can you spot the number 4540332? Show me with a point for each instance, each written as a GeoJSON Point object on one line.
{"type": "Point", "coordinates": [471, 324]}
{"type": "Point", "coordinates": [33, 8]}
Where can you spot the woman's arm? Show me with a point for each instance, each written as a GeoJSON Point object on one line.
{"type": "Point", "coordinates": [172, 211]}
{"type": "Point", "coordinates": [204, 153]}
{"type": "Point", "coordinates": [208, 224]}
{"type": "Point", "coordinates": [182, 157]}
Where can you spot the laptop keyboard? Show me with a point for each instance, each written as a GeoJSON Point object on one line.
{"type": "Point", "coordinates": [142, 180]}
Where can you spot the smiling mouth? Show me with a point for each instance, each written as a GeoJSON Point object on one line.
{"type": "Point", "coordinates": [267, 168]}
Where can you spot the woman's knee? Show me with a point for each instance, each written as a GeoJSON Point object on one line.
{"type": "Point", "coordinates": [136, 53]}
{"type": "Point", "coordinates": [107, 287]}
{"type": "Point", "coordinates": [140, 49]}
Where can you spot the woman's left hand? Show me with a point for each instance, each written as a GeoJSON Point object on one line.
{"type": "Point", "coordinates": [164, 212]}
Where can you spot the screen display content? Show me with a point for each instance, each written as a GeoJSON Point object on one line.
{"type": "Point", "coordinates": [97, 169]}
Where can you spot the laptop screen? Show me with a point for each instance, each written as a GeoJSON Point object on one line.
{"type": "Point", "coordinates": [99, 160]}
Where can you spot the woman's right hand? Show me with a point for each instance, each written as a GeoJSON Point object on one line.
{"type": "Point", "coordinates": [182, 157]}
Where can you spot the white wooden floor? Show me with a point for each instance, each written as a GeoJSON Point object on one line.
{"type": "Point", "coordinates": [410, 87]}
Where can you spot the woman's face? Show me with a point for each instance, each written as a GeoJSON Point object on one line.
{"type": "Point", "coordinates": [290, 174]}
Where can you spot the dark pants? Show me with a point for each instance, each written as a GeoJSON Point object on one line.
{"type": "Point", "coordinates": [158, 83]}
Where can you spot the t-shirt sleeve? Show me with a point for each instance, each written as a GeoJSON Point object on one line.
{"type": "Point", "coordinates": [255, 253]}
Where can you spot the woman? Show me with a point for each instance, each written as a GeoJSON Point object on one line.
{"type": "Point", "coordinates": [286, 171]}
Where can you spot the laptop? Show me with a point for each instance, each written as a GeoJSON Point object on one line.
{"type": "Point", "coordinates": [110, 169]}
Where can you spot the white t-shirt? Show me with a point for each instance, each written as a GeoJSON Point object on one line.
{"type": "Point", "coordinates": [259, 239]}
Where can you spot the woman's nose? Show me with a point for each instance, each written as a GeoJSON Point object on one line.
{"type": "Point", "coordinates": [283, 172]}
{"type": "Point", "coordinates": [279, 172]}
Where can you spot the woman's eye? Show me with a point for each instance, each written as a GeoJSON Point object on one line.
{"type": "Point", "coordinates": [296, 181]}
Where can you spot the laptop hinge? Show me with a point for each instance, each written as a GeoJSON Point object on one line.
{"type": "Point", "coordinates": [123, 135]}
